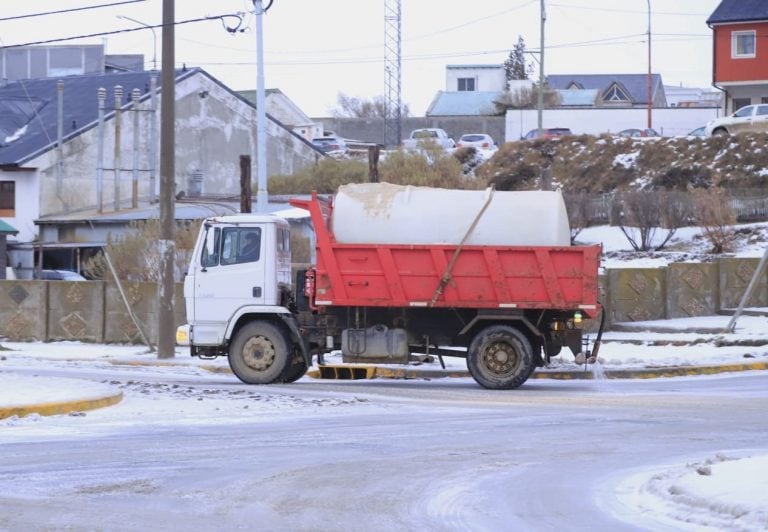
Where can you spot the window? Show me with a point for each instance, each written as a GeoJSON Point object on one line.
{"type": "Point", "coordinates": [743, 44]}
{"type": "Point", "coordinates": [210, 255]}
{"type": "Point", "coordinates": [739, 103]}
{"type": "Point", "coordinates": [615, 94]}
{"type": "Point", "coordinates": [466, 84]}
{"type": "Point", "coordinates": [762, 110]}
{"type": "Point", "coordinates": [231, 245]}
{"type": "Point", "coordinates": [8, 199]}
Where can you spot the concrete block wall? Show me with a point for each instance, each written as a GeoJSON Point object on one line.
{"type": "Point", "coordinates": [735, 275]}
{"type": "Point", "coordinates": [94, 311]}
{"type": "Point", "coordinates": [636, 294]}
{"type": "Point", "coordinates": [90, 311]}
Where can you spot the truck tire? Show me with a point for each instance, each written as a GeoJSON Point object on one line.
{"type": "Point", "coordinates": [259, 353]}
{"type": "Point", "coordinates": [500, 358]}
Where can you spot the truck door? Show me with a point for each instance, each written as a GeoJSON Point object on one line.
{"type": "Point", "coordinates": [231, 273]}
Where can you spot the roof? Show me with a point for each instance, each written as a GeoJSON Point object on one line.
{"type": "Point", "coordinates": [7, 229]}
{"type": "Point", "coordinates": [183, 210]}
{"type": "Point", "coordinates": [463, 103]}
{"type": "Point", "coordinates": [578, 98]}
{"type": "Point", "coordinates": [28, 109]}
{"type": "Point", "coordinates": [635, 84]}
{"type": "Point", "coordinates": [186, 209]}
{"type": "Point", "coordinates": [495, 66]}
{"type": "Point", "coordinates": [739, 11]}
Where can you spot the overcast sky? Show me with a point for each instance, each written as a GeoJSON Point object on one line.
{"type": "Point", "coordinates": [315, 49]}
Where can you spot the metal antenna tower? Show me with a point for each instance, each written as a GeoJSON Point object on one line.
{"type": "Point", "coordinates": [392, 73]}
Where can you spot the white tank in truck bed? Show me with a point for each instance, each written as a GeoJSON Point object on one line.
{"type": "Point", "coordinates": [382, 213]}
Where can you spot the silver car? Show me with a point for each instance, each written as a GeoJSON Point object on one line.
{"type": "Point", "coordinates": [749, 118]}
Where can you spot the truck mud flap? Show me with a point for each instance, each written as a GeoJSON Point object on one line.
{"type": "Point", "coordinates": [348, 373]}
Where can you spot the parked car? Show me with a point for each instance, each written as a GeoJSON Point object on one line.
{"type": "Point", "coordinates": [476, 140]}
{"type": "Point", "coordinates": [700, 131]}
{"type": "Point", "coordinates": [633, 132]}
{"type": "Point", "coordinates": [329, 144]}
{"type": "Point", "coordinates": [58, 275]}
{"type": "Point", "coordinates": [749, 118]}
{"type": "Point", "coordinates": [547, 133]}
{"type": "Point", "coordinates": [420, 137]}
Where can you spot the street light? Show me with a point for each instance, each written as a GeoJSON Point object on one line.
{"type": "Point", "coordinates": [650, 91]}
{"type": "Point", "coordinates": [154, 38]}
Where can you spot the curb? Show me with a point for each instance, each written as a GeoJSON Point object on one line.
{"type": "Point", "coordinates": [372, 372]}
{"type": "Point", "coordinates": [60, 407]}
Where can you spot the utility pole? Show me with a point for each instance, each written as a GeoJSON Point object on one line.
{"type": "Point", "coordinates": [650, 90]}
{"type": "Point", "coordinates": [540, 104]}
{"type": "Point", "coordinates": [166, 325]}
{"type": "Point", "coordinates": [262, 197]}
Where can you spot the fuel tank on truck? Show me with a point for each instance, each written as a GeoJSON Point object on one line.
{"type": "Point", "coordinates": [382, 213]}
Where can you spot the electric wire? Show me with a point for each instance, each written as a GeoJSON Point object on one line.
{"type": "Point", "coordinates": [70, 10]}
{"type": "Point", "coordinates": [126, 30]}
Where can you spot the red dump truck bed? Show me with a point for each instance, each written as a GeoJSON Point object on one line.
{"type": "Point", "coordinates": [397, 275]}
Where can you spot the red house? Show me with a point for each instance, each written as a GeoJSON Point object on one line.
{"type": "Point", "coordinates": [740, 52]}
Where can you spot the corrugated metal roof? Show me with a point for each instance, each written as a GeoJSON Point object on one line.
{"type": "Point", "coordinates": [185, 210]}
{"type": "Point", "coordinates": [739, 11]}
{"type": "Point", "coordinates": [463, 103]}
{"type": "Point", "coordinates": [188, 209]}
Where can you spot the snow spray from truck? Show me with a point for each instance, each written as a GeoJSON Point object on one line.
{"type": "Point", "coordinates": [484, 275]}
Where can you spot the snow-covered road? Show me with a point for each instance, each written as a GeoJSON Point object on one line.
{"type": "Point", "coordinates": [191, 449]}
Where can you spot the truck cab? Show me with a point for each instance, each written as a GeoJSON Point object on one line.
{"type": "Point", "coordinates": [241, 265]}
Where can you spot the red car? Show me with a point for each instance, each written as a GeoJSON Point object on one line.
{"type": "Point", "coordinates": [547, 133]}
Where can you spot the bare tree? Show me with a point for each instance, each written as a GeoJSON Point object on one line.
{"type": "Point", "coordinates": [525, 98]}
{"type": "Point", "coordinates": [354, 107]}
{"type": "Point", "coordinates": [578, 207]}
{"type": "Point", "coordinates": [640, 214]}
{"type": "Point", "coordinates": [715, 217]}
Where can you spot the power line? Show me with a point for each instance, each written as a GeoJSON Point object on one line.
{"type": "Point", "coordinates": [618, 10]}
{"type": "Point", "coordinates": [127, 30]}
{"type": "Point", "coordinates": [71, 10]}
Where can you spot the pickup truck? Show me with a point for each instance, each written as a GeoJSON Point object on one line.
{"type": "Point", "coordinates": [421, 137]}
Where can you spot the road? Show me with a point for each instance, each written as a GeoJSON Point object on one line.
{"type": "Point", "coordinates": [203, 452]}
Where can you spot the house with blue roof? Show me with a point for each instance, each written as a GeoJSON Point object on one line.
{"type": "Point", "coordinates": [740, 52]}
{"type": "Point", "coordinates": [615, 90]}
{"type": "Point", "coordinates": [87, 146]}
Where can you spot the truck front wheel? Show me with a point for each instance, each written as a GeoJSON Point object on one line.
{"type": "Point", "coordinates": [259, 353]}
{"type": "Point", "coordinates": [500, 358]}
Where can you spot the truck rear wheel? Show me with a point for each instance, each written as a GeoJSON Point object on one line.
{"type": "Point", "coordinates": [259, 353]}
{"type": "Point", "coordinates": [500, 358]}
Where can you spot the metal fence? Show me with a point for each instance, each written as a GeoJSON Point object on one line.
{"type": "Point", "coordinates": [748, 205]}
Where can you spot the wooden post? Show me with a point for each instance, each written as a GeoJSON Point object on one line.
{"type": "Point", "coordinates": [373, 163]}
{"type": "Point", "coordinates": [245, 184]}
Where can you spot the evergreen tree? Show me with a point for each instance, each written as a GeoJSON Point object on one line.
{"type": "Point", "coordinates": [515, 66]}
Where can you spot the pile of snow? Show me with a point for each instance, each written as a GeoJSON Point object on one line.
{"type": "Point", "coordinates": [725, 492]}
